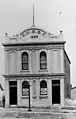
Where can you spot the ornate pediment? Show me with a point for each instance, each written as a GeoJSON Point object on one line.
{"type": "Point", "coordinates": [33, 32]}
{"type": "Point", "coordinates": [32, 35]}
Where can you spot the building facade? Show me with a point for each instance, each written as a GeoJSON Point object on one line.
{"type": "Point", "coordinates": [37, 58]}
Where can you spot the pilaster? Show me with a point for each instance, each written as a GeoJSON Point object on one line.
{"type": "Point", "coordinates": [6, 93]}
{"type": "Point", "coordinates": [18, 91]}
{"type": "Point", "coordinates": [62, 91]}
{"type": "Point", "coordinates": [18, 61]}
{"type": "Point", "coordinates": [62, 61]}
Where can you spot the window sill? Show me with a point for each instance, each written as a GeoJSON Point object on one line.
{"type": "Point", "coordinates": [43, 70]}
{"type": "Point", "coordinates": [43, 96]}
{"type": "Point", "coordinates": [25, 71]}
{"type": "Point", "coordinates": [26, 97]}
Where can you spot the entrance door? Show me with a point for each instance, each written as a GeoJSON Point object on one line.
{"type": "Point", "coordinates": [13, 92]}
{"type": "Point", "coordinates": [55, 91]}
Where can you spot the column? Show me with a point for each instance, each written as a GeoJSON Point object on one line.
{"type": "Point", "coordinates": [18, 62]}
{"type": "Point", "coordinates": [12, 61]}
{"type": "Point", "coordinates": [62, 91]}
{"type": "Point", "coordinates": [6, 62]}
{"type": "Point", "coordinates": [30, 66]}
{"type": "Point", "coordinates": [48, 60]}
{"type": "Point", "coordinates": [30, 82]}
{"type": "Point", "coordinates": [38, 60]}
{"type": "Point", "coordinates": [51, 90]}
{"type": "Point", "coordinates": [6, 93]}
{"type": "Point", "coordinates": [49, 87]}
{"type": "Point", "coordinates": [61, 61]}
{"type": "Point", "coordinates": [33, 61]}
{"type": "Point", "coordinates": [18, 91]}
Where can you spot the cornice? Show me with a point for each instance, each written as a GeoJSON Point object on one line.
{"type": "Point", "coordinates": [20, 48]}
{"type": "Point", "coordinates": [24, 75]}
{"type": "Point", "coordinates": [32, 43]}
{"type": "Point", "coordinates": [33, 75]}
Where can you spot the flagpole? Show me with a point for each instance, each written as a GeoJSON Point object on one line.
{"type": "Point", "coordinates": [33, 16]}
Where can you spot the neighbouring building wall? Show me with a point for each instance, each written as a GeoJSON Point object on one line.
{"type": "Point", "coordinates": [73, 93]}
{"type": "Point", "coordinates": [67, 76]}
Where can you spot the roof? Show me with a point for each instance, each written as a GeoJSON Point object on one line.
{"type": "Point", "coordinates": [67, 56]}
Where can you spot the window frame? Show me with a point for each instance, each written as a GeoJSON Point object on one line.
{"type": "Point", "coordinates": [26, 62]}
{"type": "Point", "coordinates": [43, 62]}
{"type": "Point", "coordinates": [27, 95]}
{"type": "Point", "coordinates": [44, 89]}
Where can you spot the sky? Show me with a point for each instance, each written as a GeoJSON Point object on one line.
{"type": "Point", "coordinates": [51, 15]}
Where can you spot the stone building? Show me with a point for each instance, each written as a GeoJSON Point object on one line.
{"type": "Point", "coordinates": [37, 58]}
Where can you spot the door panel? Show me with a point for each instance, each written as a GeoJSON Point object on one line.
{"type": "Point", "coordinates": [13, 92]}
{"type": "Point", "coordinates": [55, 91]}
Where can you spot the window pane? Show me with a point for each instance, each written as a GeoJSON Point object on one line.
{"type": "Point", "coordinates": [24, 61]}
{"type": "Point", "coordinates": [25, 57]}
{"type": "Point", "coordinates": [25, 92]}
{"type": "Point", "coordinates": [43, 66]}
{"type": "Point", "coordinates": [43, 91]}
{"type": "Point", "coordinates": [43, 84]}
{"type": "Point", "coordinates": [43, 60]}
{"type": "Point", "coordinates": [25, 66]}
{"type": "Point", "coordinates": [25, 88]}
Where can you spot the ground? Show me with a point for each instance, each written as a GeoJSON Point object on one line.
{"type": "Point", "coordinates": [67, 112]}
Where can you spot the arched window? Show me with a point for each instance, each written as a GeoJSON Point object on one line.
{"type": "Point", "coordinates": [25, 88]}
{"type": "Point", "coordinates": [24, 61]}
{"type": "Point", "coordinates": [43, 60]}
{"type": "Point", "coordinates": [43, 87]}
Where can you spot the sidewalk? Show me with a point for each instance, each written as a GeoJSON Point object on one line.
{"type": "Point", "coordinates": [53, 113]}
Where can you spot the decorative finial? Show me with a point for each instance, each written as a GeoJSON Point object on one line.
{"type": "Point", "coordinates": [61, 32]}
{"type": "Point", "coordinates": [33, 15]}
{"type": "Point", "coordinates": [6, 34]}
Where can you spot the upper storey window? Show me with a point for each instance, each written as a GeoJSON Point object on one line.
{"type": "Point", "coordinates": [43, 60]}
{"type": "Point", "coordinates": [24, 61]}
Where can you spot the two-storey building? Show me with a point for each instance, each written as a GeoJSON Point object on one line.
{"type": "Point", "coordinates": [36, 57]}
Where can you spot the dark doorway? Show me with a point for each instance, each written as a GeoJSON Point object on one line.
{"type": "Point", "coordinates": [55, 91]}
{"type": "Point", "coordinates": [13, 92]}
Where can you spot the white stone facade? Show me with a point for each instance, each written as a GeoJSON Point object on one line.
{"type": "Point", "coordinates": [33, 41]}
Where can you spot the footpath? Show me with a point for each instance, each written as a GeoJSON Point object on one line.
{"type": "Point", "coordinates": [51, 113]}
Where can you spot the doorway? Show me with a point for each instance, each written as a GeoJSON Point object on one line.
{"type": "Point", "coordinates": [55, 91]}
{"type": "Point", "coordinates": [13, 92]}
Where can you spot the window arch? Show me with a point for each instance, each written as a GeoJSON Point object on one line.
{"type": "Point", "coordinates": [43, 87]}
{"type": "Point", "coordinates": [24, 61]}
{"type": "Point", "coordinates": [43, 60]}
{"type": "Point", "coordinates": [25, 88]}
